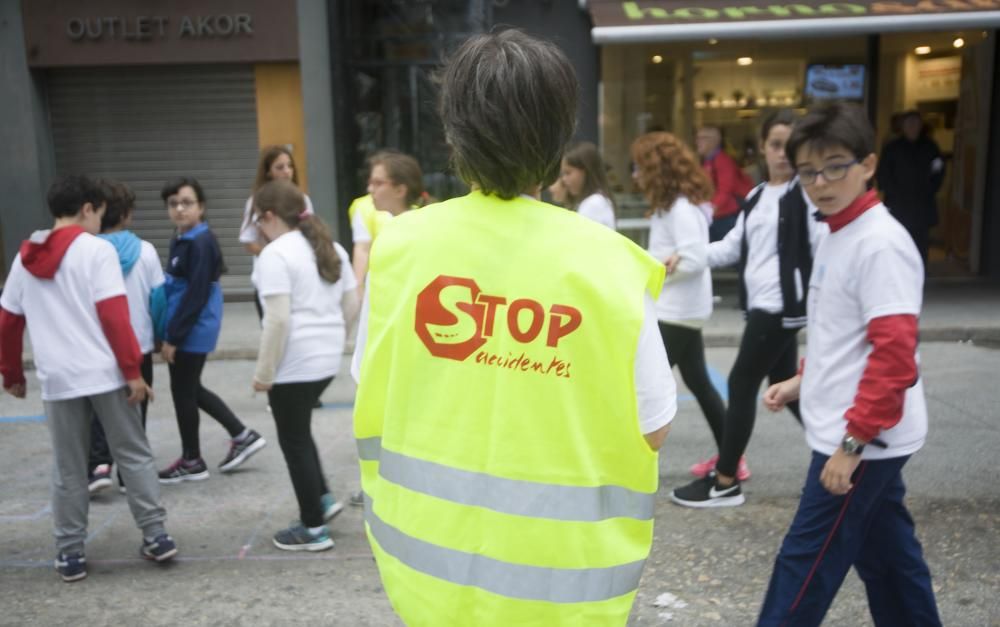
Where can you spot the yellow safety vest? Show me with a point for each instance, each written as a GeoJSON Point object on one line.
{"type": "Point", "coordinates": [372, 218]}
{"type": "Point", "coordinates": [505, 475]}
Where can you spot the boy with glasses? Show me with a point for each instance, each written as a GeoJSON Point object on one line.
{"type": "Point", "coordinates": [860, 392]}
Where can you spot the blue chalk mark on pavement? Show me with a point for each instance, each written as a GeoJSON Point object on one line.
{"type": "Point", "coordinates": [18, 419]}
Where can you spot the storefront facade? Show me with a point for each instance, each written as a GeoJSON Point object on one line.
{"type": "Point", "coordinates": [678, 65]}
{"type": "Point", "coordinates": [144, 91]}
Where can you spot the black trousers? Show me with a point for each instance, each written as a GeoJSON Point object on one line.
{"type": "Point", "coordinates": [189, 396]}
{"type": "Point", "coordinates": [686, 350]}
{"type": "Point", "coordinates": [767, 349]}
{"type": "Point", "coordinates": [100, 452]}
{"type": "Point", "coordinates": [291, 406]}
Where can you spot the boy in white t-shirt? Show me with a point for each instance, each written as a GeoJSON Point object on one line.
{"type": "Point", "coordinates": [860, 391]}
{"type": "Point", "coordinates": [66, 285]}
{"type": "Point", "coordinates": [142, 272]}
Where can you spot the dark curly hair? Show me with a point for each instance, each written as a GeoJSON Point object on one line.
{"type": "Point", "coordinates": [666, 168]}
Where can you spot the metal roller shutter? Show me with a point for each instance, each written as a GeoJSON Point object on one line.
{"type": "Point", "coordinates": [144, 125]}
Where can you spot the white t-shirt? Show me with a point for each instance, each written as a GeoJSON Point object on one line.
{"type": "Point", "coordinates": [359, 232]}
{"type": "Point", "coordinates": [72, 355]}
{"type": "Point", "coordinates": [687, 292]}
{"type": "Point", "coordinates": [316, 323]}
{"type": "Point", "coordinates": [598, 208]}
{"type": "Point", "coordinates": [145, 276]}
{"type": "Point", "coordinates": [248, 230]}
{"type": "Point", "coordinates": [868, 269]}
{"type": "Point", "coordinates": [762, 274]}
{"type": "Point", "coordinates": [655, 389]}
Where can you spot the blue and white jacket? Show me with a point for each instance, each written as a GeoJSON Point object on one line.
{"type": "Point", "coordinates": [193, 294]}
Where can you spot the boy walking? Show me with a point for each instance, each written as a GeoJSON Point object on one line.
{"type": "Point", "coordinates": [862, 399]}
{"type": "Point", "coordinates": [66, 285]}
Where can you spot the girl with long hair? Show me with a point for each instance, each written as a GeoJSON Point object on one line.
{"type": "Point", "coordinates": [678, 190]}
{"type": "Point", "coordinates": [586, 183]}
{"type": "Point", "coordinates": [308, 296]}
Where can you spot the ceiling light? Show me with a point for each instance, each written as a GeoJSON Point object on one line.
{"type": "Point", "coordinates": [713, 41]}
{"type": "Point", "coordinates": [657, 59]}
{"type": "Point", "coordinates": [922, 50]}
{"type": "Point", "coordinates": [958, 43]}
{"type": "Point", "coordinates": [744, 61]}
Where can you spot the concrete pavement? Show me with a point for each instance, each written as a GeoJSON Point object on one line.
{"type": "Point", "coordinates": [715, 564]}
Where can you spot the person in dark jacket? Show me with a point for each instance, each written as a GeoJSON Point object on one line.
{"type": "Point", "coordinates": [772, 246]}
{"type": "Point", "coordinates": [909, 175]}
{"type": "Point", "coordinates": [193, 321]}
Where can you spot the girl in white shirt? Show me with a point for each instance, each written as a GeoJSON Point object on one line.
{"type": "Point", "coordinates": [771, 245]}
{"type": "Point", "coordinates": [309, 294]}
{"type": "Point", "coordinates": [678, 189]}
{"type": "Point", "coordinates": [275, 164]}
{"type": "Point", "coordinates": [586, 183]}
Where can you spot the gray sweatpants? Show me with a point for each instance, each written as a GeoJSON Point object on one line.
{"type": "Point", "coordinates": [69, 424]}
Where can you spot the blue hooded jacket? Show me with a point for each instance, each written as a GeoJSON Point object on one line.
{"type": "Point", "coordinates": [194, 297]}
{"type": "Point", "coordinates": [128, 246]}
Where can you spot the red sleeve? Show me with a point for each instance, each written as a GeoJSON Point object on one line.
{"type": "Point", "coordinates": [890, 371]}
{"type": "Point", "coordinates": [11, 345]}
{"type": "Point", "coordinates": [113, 313]}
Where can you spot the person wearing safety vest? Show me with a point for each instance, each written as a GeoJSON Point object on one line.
{"type": "Point", "coordinates": [395, 184]}
{"type": "Point", "coordinates": [513, 390]}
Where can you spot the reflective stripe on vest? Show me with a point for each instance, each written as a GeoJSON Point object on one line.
{"type": "Point", "coordinates": [508, 496]}
{"type": "Point", "coordinates": [516, 581]}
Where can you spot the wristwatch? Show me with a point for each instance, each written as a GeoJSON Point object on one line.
{"type": "Point", "coordinates": [851, 445]}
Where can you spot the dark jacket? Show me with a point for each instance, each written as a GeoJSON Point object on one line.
{"type": "Point", "coordinates": [194, 297]}
{"type": "Point", "coordinates": [794, 254]}
{"type": "Point", "coordinates": [909, 176]}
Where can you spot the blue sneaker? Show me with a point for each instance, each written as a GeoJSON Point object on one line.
{"type": "Point", "coordinates": [159, 549]}
{"type": "Point", "coordinates": [71, 566]}
{"type": "Point", "coordinates": [298, 538]}
{"type": "Point", "coordinates": [331, 507]}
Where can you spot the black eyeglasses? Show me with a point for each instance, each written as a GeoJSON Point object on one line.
{"type": "Point", "coordinates": [184, 203]}
{"type": "Point", "coordinates": [831, 173]}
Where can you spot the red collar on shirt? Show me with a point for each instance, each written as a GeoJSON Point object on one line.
{"type": "Point", "coordinates": [861, 204]}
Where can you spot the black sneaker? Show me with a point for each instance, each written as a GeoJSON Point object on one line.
{"type": "Point", "coordinates": [71, 566]}
{"type": "Point", "coordinates": [241, 451]}
{"type": "Point", "coordinates": [159, 549]}
{"type": "Point", "coordinates": [705, 492]}
{"type": "Point", "coordinates": [99, 478]}
{"type": "Point", "coordinates": [298, 538]}
{"type": "Point", "coordinates": [184, 470]}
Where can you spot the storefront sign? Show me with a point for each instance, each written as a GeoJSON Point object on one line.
{"type": "Point", "coordinates": [120, 32]}
{"type": "Point", "coordinates": [679, 19]}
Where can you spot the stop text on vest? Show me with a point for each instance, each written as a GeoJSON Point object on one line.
{"type": "Point", "coordinates": [455, 318]}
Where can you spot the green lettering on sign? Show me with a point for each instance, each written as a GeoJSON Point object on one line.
{"type": "Point", "coordinates": [633, 12]}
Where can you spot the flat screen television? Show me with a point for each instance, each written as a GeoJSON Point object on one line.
{"type": "Point", "coordinates": [835, 82]}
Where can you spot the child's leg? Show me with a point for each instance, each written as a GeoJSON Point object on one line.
{"type": "Point", "coordinates": [123, 424]}
{"type": "Point", "coordinates": [686, 350]}
{"type": "Point", "coordinates": [99, 451]}
{"type": "Point", "coordinates": [763, 342]}
{"type": "Point", "coordinates": [147, 375]}
{"type": "Point", "coordinates": [786, 367]}
{"type": "Point", "coordinates": [892, 566]}
{"type": "Point", "coordinates": [826, 537]}
{"type": "Point", "coordinates": [291, 405]}
{"type": "Point", "coordinates": [185, 373]}
{"type": "Point", "coordinates": [205, 399]}
{"type": "Point", "coordinates": [69, 427]}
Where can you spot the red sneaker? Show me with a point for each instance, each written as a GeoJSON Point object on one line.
{"type": "Point", "coordinates": [702, 468]}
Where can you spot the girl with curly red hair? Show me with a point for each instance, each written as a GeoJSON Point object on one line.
{"type": "Point", "coordinates": [678, 190]}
